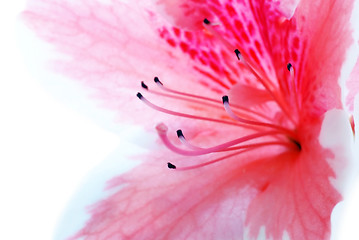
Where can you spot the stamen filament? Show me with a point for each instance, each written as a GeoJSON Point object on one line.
{"type": "Point", "coordinates": [185, 142]}
{"type": "Point", "coordinates": [162, 132]}
{"type": "Point", "coordinates": [172, 166]}
{"type": "Point", "coordinates": [293, 85]}
{"type": "Point", "coordinates": [267, 84]}
{"type": "Point", "coordinates": [184, 99]}
{"type": "Point", "coordinates": [253, 145]}
{"type": "Point", "coordinates": [210, 29]}
{"type": "Point", "coordinates": [256, 145]}
{"type": "Point", "coordinates": [242, 120]}
{"type": "Point", "coordinates": [151, 105]}
{"type": "Point", "coordinates": [160, 84]}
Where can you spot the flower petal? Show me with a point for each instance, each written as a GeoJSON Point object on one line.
{"type": "Point", "coordinates": [111, 49]}
{"type": "Point", "coordinates": [353, 86]}
{"type": "Point", "coordinates": [243, 95]}
{"type": "Point", "coordinates": [269, 42]}
{"type": "Point", "coordinates": [324, 56]}
{"type": "Point", "coordinates": [299, 192]}
{"type": "Point", "coordinates": [337, 135]}
{"type": "Point", "coordinates": [256, 27]}
{"type": "Point", "coordinates": [158, 204]}
{"type": "Point", "coordinates": [155, 201]}
{"type": "Point", "coordinates": [223, 199]}
{"type": "Point", "coordinates": [250, 26]}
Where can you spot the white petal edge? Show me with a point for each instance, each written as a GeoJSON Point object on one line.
{"type": "Point", "coordinates": [337, 136]}
{"type": "Point", "coordinates": [352, 54]}
{"type": "Point", "coordinates": [345, 214]}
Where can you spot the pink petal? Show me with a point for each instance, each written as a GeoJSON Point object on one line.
{"type": "Point", "coordinates": [243, 94]}
{"type": "Point", "coordinates": [324, 54]}
{"type": "Point", "coordinates": [159, 204]}
{"type": "Point", "coordinates": [353, 86]}
{"type": "Point", "coordinates": [266, 40]}
{"type": "Point", "coordinates": [112, 48]}
{"type": "Point", "coordinates": [290, 192]}
{"type": "Point", "coordinates": [269, 42]}
{"type": "Point", "coordinates": [298, 195]}
{"type": "Point", "coordinates": [240, 23]}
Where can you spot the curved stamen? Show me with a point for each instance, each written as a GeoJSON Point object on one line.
{"type": "Point", "coordinates": [162, 132]}
{"type": "Point", "coordinates": [185, 142]}
{"type": "Point", "coordinates": [265, 84]}
{"type": "Point", "coordinates": [242, 120]}
{"type": "Point", "coordinates": [151, 105]}
{"type": "Point", "coordinates": [172, 166]}
{"type": "Point", "coordinates": [262, 144]}
{"type": "Point", "coordinates": [293, 85]}
{"type": "Point", "coordinates": [161, 86]}
{"type": "Point", "coordinates": [203, 103]}
{"type": "Point", "coordinates": [253, 145]}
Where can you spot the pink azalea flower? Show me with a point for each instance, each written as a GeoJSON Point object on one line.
{"type": "Point", "coordinates": [253, 85]}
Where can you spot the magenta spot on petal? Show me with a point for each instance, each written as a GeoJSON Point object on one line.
{"type": "Point", "coordinates": [251, 28]}
{"type": "Point", "coordinates": [188, 36]}
{"type": "Point", "coordinates": [254, 56]}
{"type": "Point", "coordinates": [184, 46]}
{"type": "Point", "coordinates": [258, 47]}
{"type": "Point", "coordinates": [193, 53]}
{"type": "Point", "coordinates": [245, 36]}
{"type": "Point", "coordinates": [238, 25]}
{"type": "Point", "coordinates": [230, 10]}
{"type": "Point", "coordinates": [171, 42]}
{"type": "Point", "coordinates": [214, 66]}
{"type": "Point", "coordinates": [177, 32]}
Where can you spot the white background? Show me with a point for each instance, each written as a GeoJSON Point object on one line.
{"type": "Point", "coordinates": [47, 146]}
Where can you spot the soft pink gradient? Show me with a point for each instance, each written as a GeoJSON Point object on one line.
{"type": "Point", "coordinates": [353, 86]}
{"type": "Point", "coordinates": [287, 190]}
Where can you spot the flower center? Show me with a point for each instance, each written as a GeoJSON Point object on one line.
{"type": "Point", "coordinates": [265, 131]}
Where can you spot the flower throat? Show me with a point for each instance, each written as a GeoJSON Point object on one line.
{"type": "Point", "coordinates": [265, 132]}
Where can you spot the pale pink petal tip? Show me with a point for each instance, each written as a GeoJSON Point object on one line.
{"type": "Point", "coordinates": [356, 124]}
{"type": "Point", "coordinates": [337, 135]}
{"type": "Point", "coordinates": [353, 86]}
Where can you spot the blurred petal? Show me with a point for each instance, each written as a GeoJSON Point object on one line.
{"type": "Point", "coordinates": [353, 86]}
